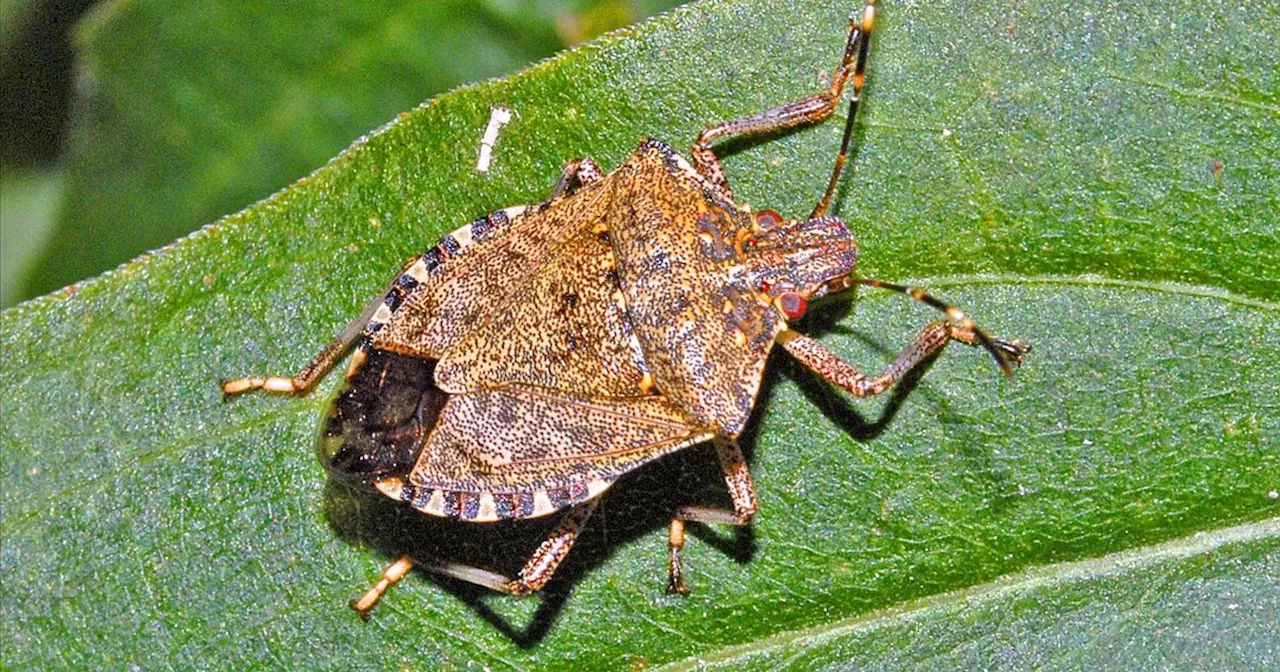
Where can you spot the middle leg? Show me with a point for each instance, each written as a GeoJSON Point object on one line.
{"type": "Point", "coordinates": [745, 505]}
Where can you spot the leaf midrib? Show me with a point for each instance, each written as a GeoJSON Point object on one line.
{"type": "Point", "coordinates": [1027, 579]}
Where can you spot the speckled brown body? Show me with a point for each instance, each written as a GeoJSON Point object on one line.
{"type": "Point", "coordinates": [537, 354]}
{"type": "Point", "coordinates": [546, 356]}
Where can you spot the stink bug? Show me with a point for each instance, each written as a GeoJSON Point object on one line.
{"type": "Point", "coordinates": [538, 353]}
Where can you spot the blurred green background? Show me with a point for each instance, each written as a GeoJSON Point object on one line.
{"type": "Point", "coordinates": [107, 150]}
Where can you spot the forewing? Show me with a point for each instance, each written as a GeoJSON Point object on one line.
{"type": "Point", "coordinates": [521, 451]}
{"type": "Point", "coordinates": [458, 282]}
{"type": "Point", "coordinates": [563, 327]}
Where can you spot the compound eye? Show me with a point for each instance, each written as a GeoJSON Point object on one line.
{"type": "Point", "coordinates": [792, 304]}
{"type": "Point", "coordinates": [768, 219]}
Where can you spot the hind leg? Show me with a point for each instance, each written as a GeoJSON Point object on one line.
{"type": "Point", "coordinates": [539, 569]}
{"type": "Point", "coordinates": [319, 365]}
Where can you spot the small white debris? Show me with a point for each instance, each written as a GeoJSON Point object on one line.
{"type": "Point", "coordinates": [498, 118]}
{"type": "Point", "coordinates": [1273, 494]}
{"type": "Point", "coordinates": [946, 132]}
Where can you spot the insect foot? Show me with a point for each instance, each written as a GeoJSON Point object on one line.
{"type": "Point", "coordinates": [522, 365]}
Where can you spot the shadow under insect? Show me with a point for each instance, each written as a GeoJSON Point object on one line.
{"type": "Point", "coordinates": [640, 504]}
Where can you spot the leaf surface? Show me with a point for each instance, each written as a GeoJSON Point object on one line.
{"type": "Point", "coordinates": [188, 112]}
{"type": "Point", "coordinates": [1051, 169]}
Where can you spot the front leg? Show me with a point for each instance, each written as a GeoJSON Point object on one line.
{"type": "Point", "coordinates": [576, 175]}
{"type": "Point", "coordinates": [934, 337]}
{"type": "Point", "coordinates": [810, 110]}
{"type": "Point", "coordinates": [745, 505]}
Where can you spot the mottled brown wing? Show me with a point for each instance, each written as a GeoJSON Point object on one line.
{"type": "Point", "coordinates": [487, 259]}
{"type": "Point", "coordinates": [704, 334]}
{"type": "Point", "coordinates": [521, 451]}
{"type": "Point", "coordinates": [563, 327]}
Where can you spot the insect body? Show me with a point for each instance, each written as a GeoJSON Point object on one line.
{"type": "Point", "coordinates": [538, 353]}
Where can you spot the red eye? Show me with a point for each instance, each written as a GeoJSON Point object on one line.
{"type": "Point", "coordinates": [768, 219]}
{"type": "Point", "coordinates": [764, 285]}
{"type": "Point", "coordinates": [793, 305]}
{"type": "Point", "coordinates": [749, 244]}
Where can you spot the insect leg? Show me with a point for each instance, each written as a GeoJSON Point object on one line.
{"type": "Point", "coordinates": [373, 315]}
{"type": "Point", "coordinates": [315, 369]}
{"type": "Point", "coordinates": [745, 505]}
{"type": "Point", "coordinates": [398, 569]}
{"type": "Point", "coordinates": [825, 363]}
{"type": "Point", "coordinates": [577, 174]}
{"type": "Point", "coordinates": [390, 576]}
{"type": "Point", "coordinates": [932, 338]}
{"type": "Point", "coordinates": [809, 110]}
{"type": "Point", "coordinates": [551, 552]}
{"type": "Point", "coordinates": [964, 329]}
{"type": "Point", "coordinates": [536, 572]}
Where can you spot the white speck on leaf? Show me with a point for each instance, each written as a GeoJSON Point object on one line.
{"type": "Point", "coordinates": [498, 118]}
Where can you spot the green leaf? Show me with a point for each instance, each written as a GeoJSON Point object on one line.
{"type": "Point", "coordinates": [1100, 183]}
{"type": "Point", "coordinates": [1205, 602]}
{"type": "Point", "coordinates": [188, 112]}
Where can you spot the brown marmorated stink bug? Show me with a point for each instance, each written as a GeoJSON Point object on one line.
{"type": "Point", "coordinates": [537, 354]}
